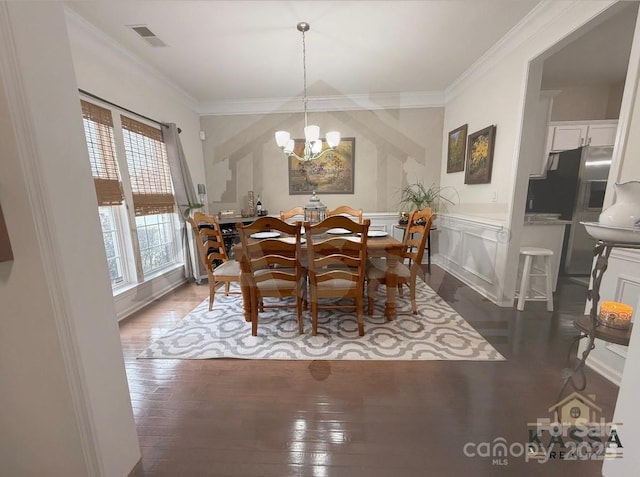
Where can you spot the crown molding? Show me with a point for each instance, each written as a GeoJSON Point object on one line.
{"type": "Point", "coordinates": [540, 16]}
{"type": "Point", "coordinates": [82, 30]}
{"type": "Point", "coordinates": [355, 102]}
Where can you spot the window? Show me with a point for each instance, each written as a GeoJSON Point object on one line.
{"type": "Point", "coordinates": [157, 241]}
{"type": "Point", "coordinates": [122, 147]}
{"type": "Point", "coordinates": [112, 245]}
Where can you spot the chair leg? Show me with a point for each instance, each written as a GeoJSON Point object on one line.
{"type": "Point", "coordinates": [254, 314]}
{"type": "Point", "coordinates": [305, 294]}
{"type": "Point", "coordinates": [524, 284]}
{"type": "Point", "coordinates": [371, 290]}
{"type": "Point", "coordinates": [212, 293]}
{"type": "Point", "coordinates": [412, 295]}
{"type": "Point", "coordinates": [299, 313]}
{"type": "Point", "coordinates": [400, 289]}
{"type": "Point", "coordinates": [226, 288]}
{"type": "Point", "coordinates": [549, 283]}
{"type": "Point", "coordinates": [314, 316]}
{"type": "Point", "coordinates": [359, 311]}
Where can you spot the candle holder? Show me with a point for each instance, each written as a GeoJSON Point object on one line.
{"type": "Point", "coordinates": [315, 211]}
{"type": "Point", "coordinates": [615, 315]}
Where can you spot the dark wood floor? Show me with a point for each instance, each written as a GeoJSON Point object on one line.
{"type": "Point", "coordinates": [347, 418]}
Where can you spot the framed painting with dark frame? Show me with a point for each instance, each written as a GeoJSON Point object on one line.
{"type": "Point", "coordinates": [333, 173]}
{"type": "Point", "coordinates": [456, 149]}
{"type": "Point", "coordinates": [479, 161]}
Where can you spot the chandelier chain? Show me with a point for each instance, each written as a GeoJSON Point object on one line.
{"type": "Point", "coordinates": [304, 75]}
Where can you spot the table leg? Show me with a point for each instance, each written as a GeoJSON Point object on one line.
{"type": "Point", "coordinates": [246, 297]}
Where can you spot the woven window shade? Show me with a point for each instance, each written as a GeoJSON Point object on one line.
{"type": "Point", "coordinates": [98, 128]}
{"type": "Point", "coordinates": [148, 168]}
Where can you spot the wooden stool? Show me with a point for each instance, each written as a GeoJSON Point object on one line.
{"type": "Point", "coordinates": [529, 271]}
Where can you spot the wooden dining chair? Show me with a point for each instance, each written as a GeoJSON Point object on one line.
{"type": "Point", "coordinates": [213, 255]}
{"type": "Point", "coordinates": [271, 267]}
{"type": "Point", "coordinates": [414, 243]}
{"type": "Point", "coordinates": [336, 266]}
{"type": "Point", "coordinates": [295, 212]}
{"type": "Point", "coordinates": [346, 211]}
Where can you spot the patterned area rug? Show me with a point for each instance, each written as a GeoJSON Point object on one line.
{"type": "Point", "coordinates": [436, 333]}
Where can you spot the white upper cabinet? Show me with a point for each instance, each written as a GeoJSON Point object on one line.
{"type": "Point", "coordinates": [602, 134]}
{"type": "Point", "coordinates": [572, 135]}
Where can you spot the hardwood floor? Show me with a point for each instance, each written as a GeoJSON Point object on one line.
{"type": "Point", "coordinates": [349, 418]}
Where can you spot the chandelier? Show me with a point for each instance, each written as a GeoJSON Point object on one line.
{"type": "Point", "coordinates": [312, 142]}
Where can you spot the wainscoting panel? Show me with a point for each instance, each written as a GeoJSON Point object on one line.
{"type": "Point", "coordinates": [468, 248]}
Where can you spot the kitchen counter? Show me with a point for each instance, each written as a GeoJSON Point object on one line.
{"type": "Point", "coordinates": [546, 222]}
{"type": "Point", "coordinates": [544, 219]}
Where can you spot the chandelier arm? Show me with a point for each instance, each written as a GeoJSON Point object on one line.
{"type": "Point", "coordinates": [310, 157]}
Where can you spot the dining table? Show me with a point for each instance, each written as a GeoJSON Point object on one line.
{"type": "Point", "coordinates": [378, 245]}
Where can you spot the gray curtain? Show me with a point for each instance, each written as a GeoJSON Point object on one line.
{"type": "Point", "coordinates": [182, 188]}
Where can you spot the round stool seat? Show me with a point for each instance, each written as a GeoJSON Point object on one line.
{"type": "Point", "coordinates": [536, 251]}
{"type": "Point", "coordinates": [528, 272]}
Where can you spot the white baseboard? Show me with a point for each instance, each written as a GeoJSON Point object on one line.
{"type": "Point", "coordinates": [436, 260]}
{"type": "Point", "coordinates": [604, 370]}
{"type": "Point", "coordinates": [136, 298]}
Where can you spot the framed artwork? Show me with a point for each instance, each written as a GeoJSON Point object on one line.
{"type": "Point", "coordinates": [456, 149]}
{"type": "Point", "coordinates": [333, 173]}
{"type": "Point", "coordinates": [480, 156]}
{"type": "Point", "coordinates": [6, 253]}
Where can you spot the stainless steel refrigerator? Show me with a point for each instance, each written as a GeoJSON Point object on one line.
{"type": "Point", "coordinates": [593, 173]}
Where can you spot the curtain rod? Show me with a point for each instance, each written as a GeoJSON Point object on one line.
{"type": "Point", "coordinates": [124, 109]}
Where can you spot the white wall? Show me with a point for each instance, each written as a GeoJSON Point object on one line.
{"type": "Point", "coordinates": [494, 91]}
{"type": "Point", "coordinates": [64, 403]}
{"type": "Point", "coordinates": [103, 68]}
{"type": "Point", "coordinates": [625, 167]}
{"type": "Point", "coordinates": [392, 147]}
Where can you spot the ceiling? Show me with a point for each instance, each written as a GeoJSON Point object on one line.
{"type": "Point", "coordinates": [221, 51]}
{"type": "Point", "coordinates": [600, 56]}
{"type": "Point", "coordinates": [226, 51]}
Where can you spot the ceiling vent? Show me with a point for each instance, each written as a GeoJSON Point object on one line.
{"type": "Point", "coordinates": [147, 35]}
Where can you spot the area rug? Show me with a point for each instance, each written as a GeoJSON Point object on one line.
{"type": "Point", "coordinates": [436, 333]}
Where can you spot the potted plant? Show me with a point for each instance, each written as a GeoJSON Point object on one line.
{"type": "Point", "coordinates": [188, 209]}
{"type": "Point", "coordinates": [417, 196]}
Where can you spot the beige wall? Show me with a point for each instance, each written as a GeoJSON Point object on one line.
{"type": "Point", "coordinates": [392, 148]}
{"type": "Point", "coordinates": [587, 103]}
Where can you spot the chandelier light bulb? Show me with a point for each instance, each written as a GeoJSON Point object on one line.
{"type": "Point", "coordinates": [282, 138]}
{"type": "Point", "coordinates": [333, 139]}
{"type": "Point", "coordinates": [312, 133]}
